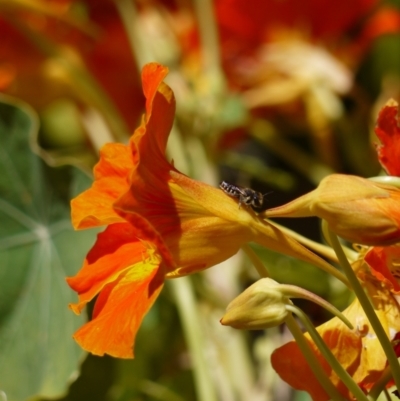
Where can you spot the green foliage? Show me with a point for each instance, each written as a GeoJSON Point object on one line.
{"type": "Point", "coordinates": [382, 63]}
{"type": "Point", "coordinates": [160, 370]}
{"type": "Point", "coordinates": [293, 271]}
{"type": "Point", "coordinates": [38, 249]}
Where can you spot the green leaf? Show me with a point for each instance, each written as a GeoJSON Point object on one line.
{"type": "Point", "coordinates": [38, 249]}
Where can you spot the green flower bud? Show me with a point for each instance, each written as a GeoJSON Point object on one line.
{"type": "Point", "coordinates": [260, 306]}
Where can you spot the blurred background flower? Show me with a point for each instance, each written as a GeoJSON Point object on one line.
{"type": "Point", "coordinates": [272, 95]}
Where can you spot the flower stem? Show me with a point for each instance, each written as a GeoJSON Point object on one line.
{"type": "Point", "coordinates": [387, 395]}
{"type": "Point", "coordinates": [312, 360]}
{"type": "Point", "coordinates": [292, 291]}
{"type": "Point", "coordinates": [261, 269]}
{"type": "Point", "coordinates": [328, 355]}
{"type": "Point", "coordinates": [128, 14]}
{"type": "Point", "coordinates": [323, 250]}
{"type": "Point", "coordinates": [380, 384]}
{"type": "Point", "coordinates": [351, 255]}
{"type": "Point", "coordinates": [186, 305]}
{"type": "Point", "coordinates": [368, 309]}
{"type": "Point", "coordinates": [210, 43]}
{"type": "Point", "coordinates": [289, 246]}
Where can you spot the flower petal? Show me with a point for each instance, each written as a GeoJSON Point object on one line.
{"type": "Point", "coordinates": [345, 344]}
{"type": "Point", "coordinates": [120, 309]}
{"type": "Point", "coordinates": [148, 193]}
{"type": "Point", "coordinates": [291, 366]}
{"type": "Point", "coordinates": [93, 207]}
{"type": "Point", "coordinates": [116, 250]}
{"type": "Point", "coordinates": [251, 227]}
{"type": "Point", "coordinates": [358, 350]}
{"type": "Point", "coordinates": [153, 75]}
{"type": "Point", "coordinates": [388, 130]}
{"type": "Point", "coordinates": [150, 139]}
{"type": "Point", "coordinates": [128, 275]}
{"type": "Point", "coordinates": [385, 265]}
{"type": "Point", "coordinates": [196, 238]}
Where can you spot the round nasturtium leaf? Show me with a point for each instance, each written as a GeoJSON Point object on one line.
{"type": "Point", "coordinates": [38, 249]}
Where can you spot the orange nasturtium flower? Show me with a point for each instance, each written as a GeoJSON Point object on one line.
{"type": "Point", "coordinates": [160, 224]}
{"type": "Point", "coordinates": [358, 350]}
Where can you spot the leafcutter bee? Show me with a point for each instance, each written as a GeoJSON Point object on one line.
{"type": "Point", "coordinates": [246, 196]}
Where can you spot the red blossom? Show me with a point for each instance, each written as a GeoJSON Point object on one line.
{"type": "Point", "coordinates": [388, 131]}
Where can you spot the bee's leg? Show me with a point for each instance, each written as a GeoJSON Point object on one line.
{"type": "Point", "coordinates": [246, 200]}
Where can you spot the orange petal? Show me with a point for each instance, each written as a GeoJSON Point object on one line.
{"type": "Point", "coordinates": [149, 193]}
{"type": "Point", "coordinates": [145, 230]}
{"type": "Point", "coordinates": [291, 366]}
{"type": "Point", "coordinates": [388, 130]}
{"type": "Point", "coordinates": [385, 20]}
{"type": "Point", "coordinates": [120, 309]}
{"type": "Point", "coordinates": [152, 76]}
{"type": "Point", "coordinates": [149, 141]}
{"type": "Point", "coordinates": [358, 351]}
{"type": "Point", "coordinates": [205, 242]}
{"type": "Point", "coordinates": [94, 207]}
{"type": "Point", "coordinates": [197, 238]}
{"type": "Point", "coordinates": [384, 263]}
{"type": "Point", "coordinates": [116, 250]}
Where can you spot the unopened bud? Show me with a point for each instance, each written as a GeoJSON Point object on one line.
{"type": "Point", "coordinates": [355, 208]}
{"type": "Point", "coordinates": [260, 306]}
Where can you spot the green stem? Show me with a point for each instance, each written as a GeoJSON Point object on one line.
{"type": "Point", "coordinates": [271, 236]}
{"type": "Point", "coordinates": [380, 384]}
{"type": "Point", "coordinates": [261, 269]}
{"type": "Point", "coordinates": [387, 395]}
{"type": "Point", "coordinates": [328, 355]}
{"type": "Point", "coordinates": [312, 360]}
{"type": "Point", "coordinates": [156, 391]}
{"type": "Point", "coordinates": [368, 309]}
{"type": "Point", "coordinates": [128, 14]}
{"type": "Point", "coordinates": [323, 250]}
{"type": "Point", "coordinates": [350, 254]}
{"type": "Point", "coordinates": [210, 43]}
{"type": "Point", "coordinates": [292, 291]}
{"type": "Point", "coordinates": [183, 293]}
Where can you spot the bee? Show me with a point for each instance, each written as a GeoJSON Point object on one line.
{"type": "Point", "coordinates": [246, 196]}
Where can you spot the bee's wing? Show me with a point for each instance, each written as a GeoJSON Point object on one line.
{"type": "Point", "coordinates": [243, 191]}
